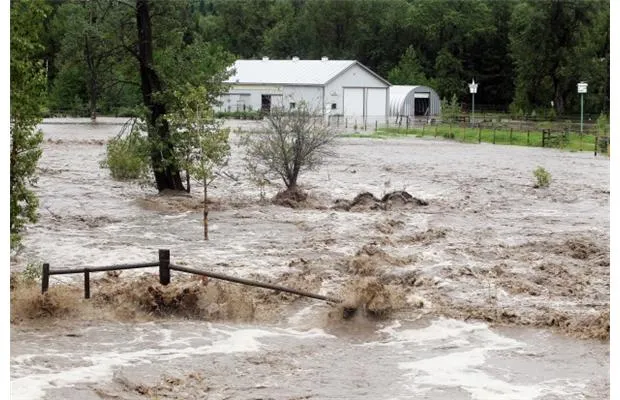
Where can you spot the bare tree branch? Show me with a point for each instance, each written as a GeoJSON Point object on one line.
{"type": "Point", "coordinates": [293, 141]}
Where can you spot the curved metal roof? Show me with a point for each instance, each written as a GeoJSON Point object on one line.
{"type": "Point", "coordinates": [403, 95]}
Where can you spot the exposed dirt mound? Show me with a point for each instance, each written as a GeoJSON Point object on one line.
{"type": "Point", "coordinates": [371, 260]}
{"type": "Point", "coordinates": [371, 297]}
{"type": "Point", "coordinates": [367, 201]}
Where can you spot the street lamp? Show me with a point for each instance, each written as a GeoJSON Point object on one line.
{"type": "Point", "coordinates": [473, 88]}
{"type": "Point", "coordinates": [582, 88]}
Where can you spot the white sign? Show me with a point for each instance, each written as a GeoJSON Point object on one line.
{"type": "Point", "coordinates": [473, 87]}
{"type": "Point", "coordinates": [582, 87]}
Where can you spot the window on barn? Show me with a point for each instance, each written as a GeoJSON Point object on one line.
{"type": "Point", "coordinates": [291, 106]}
{"type": "Point", "coordinates": [334, 106]}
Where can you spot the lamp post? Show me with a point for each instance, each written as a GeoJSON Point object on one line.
{"type": "Point", "coordinates": [473, 88]}
{"type": "Point", "coordinates": [582, 88]}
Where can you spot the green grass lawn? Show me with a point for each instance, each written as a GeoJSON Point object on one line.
{"type": "Point", "coordinates": [573, 141]}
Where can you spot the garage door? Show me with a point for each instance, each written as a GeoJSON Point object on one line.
{"type": "Point", "coordinates": [353, 102]}
{"type": "Point", "coordinates": [376, 102]}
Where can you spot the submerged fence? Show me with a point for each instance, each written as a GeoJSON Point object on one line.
{"type": "Point", "coordinates": [165, 266]}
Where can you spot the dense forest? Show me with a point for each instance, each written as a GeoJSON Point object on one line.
{"type": "Point", "coordinates": [526, 55]}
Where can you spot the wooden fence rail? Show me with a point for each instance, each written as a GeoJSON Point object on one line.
{"type": "Point", "coordinates": [164, 276]}
{"type": "Point", "coordinates": [252, 283]}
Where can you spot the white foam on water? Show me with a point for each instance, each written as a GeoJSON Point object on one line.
{"type": "Point", "coordinates": [459, 369]}
{"type": "Point", "coordinates": [470, 345]}
{"type": "Point", "coordinates": [102, 365]}
{"type": "Point", "coordinates": [445, 332]}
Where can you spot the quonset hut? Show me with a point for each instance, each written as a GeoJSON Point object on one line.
{"type": "Point", "coordinates": [413, 102]}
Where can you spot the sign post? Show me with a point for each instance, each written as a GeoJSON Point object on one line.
{"type": "Point", "coordinates": [582, 88]}
{"type": "Point", "coordinates": [473, 88]}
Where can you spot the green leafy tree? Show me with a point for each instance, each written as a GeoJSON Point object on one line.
{"type": "Point", "coordinates": [169, 55]}
{"type": "Point", "coordinates": [408, 71]}
{"type": "Point", "coordinates": [201, 145]}
{"type": "Point", "coordinates": [90, 50]}
{"type": "Point", "coordinates": [450, 110]}
{"type": "Point", "coordinates": [28, 87]}
{"type": "Point", "coordinates": [547, 47]}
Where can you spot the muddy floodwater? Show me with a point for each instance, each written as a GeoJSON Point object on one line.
{"type": "Point", "coordinates": [495, 289]}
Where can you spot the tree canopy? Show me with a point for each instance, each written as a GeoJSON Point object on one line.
{"type": "Point", "coordinates": [524, 53]}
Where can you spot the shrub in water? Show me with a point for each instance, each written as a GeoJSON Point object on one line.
{"type": "Point", "coordinates": [127, 156]}
{"type": "Point", "coordinates": [543, 178]}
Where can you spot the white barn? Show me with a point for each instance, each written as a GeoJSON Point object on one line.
{"type": "Point", "coordinates": [337, 87]}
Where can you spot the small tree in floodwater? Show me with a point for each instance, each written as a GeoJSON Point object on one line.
{"type": "Point", "coordinates": [201, 145]}
{"type": "Point", "coordinates": [293, 141]}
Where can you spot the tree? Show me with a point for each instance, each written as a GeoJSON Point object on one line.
{"type": "Point", "coordinates": [201, 145]}
{"type": "Point", "coordinates": [85, 44]}
{"type": "Point", "coordinates": [28, 86]}
{"type": "Point", "coordinates": [181, 59]}
{"type": "Point", "coordinates": [408, 71]}
{"type": "Point", "coordinates": [547, 46]}
{"type": "Point", "coordinates": [294, 141]}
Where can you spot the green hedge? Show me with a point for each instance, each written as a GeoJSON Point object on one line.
{"type": "Point", "coordinates": [252, 115]}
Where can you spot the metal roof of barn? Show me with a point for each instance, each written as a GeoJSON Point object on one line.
{"type": "Point", "coordinates": [292, 72]}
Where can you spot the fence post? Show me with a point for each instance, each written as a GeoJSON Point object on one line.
{"type": "Point", "coordinates": [493, 134]}
{"type": "Point", "coordinates": [510, 139]}
{"type": "Point", "coordinates": [463, 132]}
{"type": "Point", "coordinates": [435, 130]}
{"type": "Point", "coordinates": [164, 267]}
{"type": "Point", "coordinates": [45, 278]}
{"type": "Point", "coordinates": [364, 124]}
{"type": "Point", "coordinates": [479, 134]}
{"type": "Point", "coordinates": [595, 151]}
{"type": "Point", "coordinates": [407, 125]}
{"type": "Point", "coordinates": [376, 125]}
{"type": "Point", "coordinates": [338, 121]}
{"type": "Point", "coordinates": [346, 122]}
{"type": "Point", "coordinates": [86, 283]}
{"type": "Point", "coordinates": [543, 138]}
{"type": "Point", "coordinates": [528, 136]}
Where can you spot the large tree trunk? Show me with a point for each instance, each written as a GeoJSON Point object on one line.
{"type": "Point", "coordinates": [167, 176]}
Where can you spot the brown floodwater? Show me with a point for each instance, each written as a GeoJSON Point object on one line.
{"type": "Point", "coordinates": [487, 240]}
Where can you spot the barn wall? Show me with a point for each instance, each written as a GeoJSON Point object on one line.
{"type": "Point", "coordinates": [357, 94]}
{"type": "Point", "coordinates": [250, 96]}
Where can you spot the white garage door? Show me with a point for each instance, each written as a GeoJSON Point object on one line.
{"type": "Point", "coordinates": [353, 102]}
{"type": "Point", "coordinates": [376, 102]}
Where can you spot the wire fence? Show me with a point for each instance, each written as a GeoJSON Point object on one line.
{"type": "Point", "coordinates": [563, 134]}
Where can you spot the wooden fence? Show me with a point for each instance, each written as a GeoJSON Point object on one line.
{"type": "Point", "coordinates": [165, 266]}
